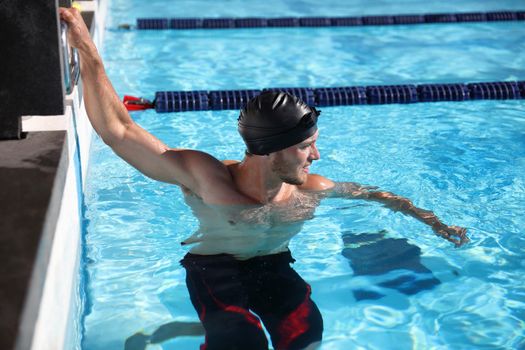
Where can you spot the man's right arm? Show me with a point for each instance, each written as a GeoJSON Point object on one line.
{"type": "Point", "coordinates": [112, 122]}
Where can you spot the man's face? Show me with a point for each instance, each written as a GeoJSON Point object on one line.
{"type": "Point", "coordinates": [292, 164]}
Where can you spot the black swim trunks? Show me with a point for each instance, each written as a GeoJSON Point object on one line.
{"type": "Point", "coordinates": [233, 296]}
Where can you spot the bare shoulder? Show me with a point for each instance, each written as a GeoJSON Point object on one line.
{"type": "Point", "coordinates": [195, 160]}
{"type": "Point", "coordinates": [316, 182]}
{"type": "Point", "coordinates": [229, 162]}
{"type": "Point", "coordinates": [213, 179]}
{"type": "Point", "coordinates": [197, 171]}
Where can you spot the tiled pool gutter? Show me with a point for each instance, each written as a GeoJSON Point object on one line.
{"type": "Point", "coordinates": [43, 161]}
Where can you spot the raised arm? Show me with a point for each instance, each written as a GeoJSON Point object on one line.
{"type": "Point", "coordinates": [192, 169]}
{"type": "Point", "coordinates": [454, 234]}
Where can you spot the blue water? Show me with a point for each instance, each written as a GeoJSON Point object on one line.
{"type": "Point", "coordinates": [464, 161]}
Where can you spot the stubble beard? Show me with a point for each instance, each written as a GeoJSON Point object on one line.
{"type": "Point", "coordinates": [281, 169]}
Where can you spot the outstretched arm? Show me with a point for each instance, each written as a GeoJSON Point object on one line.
{"type": "Point", "coordinates": [454, 234]}
{"type": "Point", "coordinates": [110, 119]}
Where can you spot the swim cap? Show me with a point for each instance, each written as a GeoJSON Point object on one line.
{"type": "Point", "coordinates": [273, 121]}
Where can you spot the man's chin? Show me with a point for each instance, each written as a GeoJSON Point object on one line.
{"type": "Point", "coordinates": [295, 180]}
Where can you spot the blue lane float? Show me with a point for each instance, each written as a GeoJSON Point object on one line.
{"type": "Point", "coordinates": [341, 96]}
{"type": "Point", "coordinates": [443, 92]}
{"type": "Point", "coordinates": [255, 22]}
{"type": "Point", "coordinates": [182, 101]}
{"type": "Point", "coordinates": [387, 94]}
{"type": "Point", "coordinates": [521, 86]}
{"type": "Point", "coordinates": [494, 91]}
{"type": "Point", "coordinates": [231, 99]}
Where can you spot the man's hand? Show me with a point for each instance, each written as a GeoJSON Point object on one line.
{"type": "Point", "coordinates": [447, 232]}
{"type": "Point", "coordinates": [78, 34]}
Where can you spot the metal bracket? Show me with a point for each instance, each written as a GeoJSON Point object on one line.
{"type": "Point", "coordinates": [70, 59]}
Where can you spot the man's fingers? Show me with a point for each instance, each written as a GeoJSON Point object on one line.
{"type": "Point", "coordinates": [68, 14]}
{"type": "Point", "coordinates": [460, 232]}
{"type": "Point", "coordinates": [451, 231]}
{"type": "Point", "coordinates": [78, 34]}
{"type": "Point", "coordinates": [64, 12]}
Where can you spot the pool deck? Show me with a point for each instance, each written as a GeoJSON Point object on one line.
{"type": "Point", "coordinates": [29, 170]}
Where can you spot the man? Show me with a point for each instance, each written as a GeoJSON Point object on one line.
{"type": "Point", "coordinates": [247, 210]}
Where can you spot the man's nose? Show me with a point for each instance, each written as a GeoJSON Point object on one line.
{"type": "Point", "coordinates": [314, 153]}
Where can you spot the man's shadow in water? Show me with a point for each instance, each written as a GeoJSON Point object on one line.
{"type": "Point", "coordinates": [371, 254]}
{"type": "Point", "coordinates": [139, 341]}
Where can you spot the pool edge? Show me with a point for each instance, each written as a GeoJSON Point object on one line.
{"type": "Point", "coordinates": [51, 317]}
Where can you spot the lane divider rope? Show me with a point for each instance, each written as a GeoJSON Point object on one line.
{"type": "Point", "coordinates": [256, 22]}
{"type": "Point", "coordinates": [200, 100]}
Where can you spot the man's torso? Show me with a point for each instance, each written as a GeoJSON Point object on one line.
{"type": "Point", "coordinates": [245, 229]}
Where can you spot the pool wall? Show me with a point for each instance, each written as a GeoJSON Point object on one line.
{"type": "Point", "coordinates": [52, 314]}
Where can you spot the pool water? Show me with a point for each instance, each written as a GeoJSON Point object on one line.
{"type": "Point", "coordinates": [380, 279]}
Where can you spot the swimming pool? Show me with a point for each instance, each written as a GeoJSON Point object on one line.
{"type": "Point", "coordinates": [464, 161]}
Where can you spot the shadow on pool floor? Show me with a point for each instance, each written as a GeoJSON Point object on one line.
{"type": "Point", "coordinates": [371, 254]}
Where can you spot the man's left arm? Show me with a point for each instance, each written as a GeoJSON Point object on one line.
{"type": "Point", "coordinates": [454, 234]}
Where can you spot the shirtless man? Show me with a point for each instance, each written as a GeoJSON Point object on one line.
{"type": "Point", "coordinates": [248, 210]}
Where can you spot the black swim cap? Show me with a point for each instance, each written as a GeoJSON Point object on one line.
{"type": "Point", "coordinates": [274, 121]}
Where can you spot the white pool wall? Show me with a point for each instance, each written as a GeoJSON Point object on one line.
{"type": "Point", "coordinates": [59, 311]}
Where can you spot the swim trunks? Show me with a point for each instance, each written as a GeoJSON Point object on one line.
{"type": "Point", "coordinates": [233, 296]}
